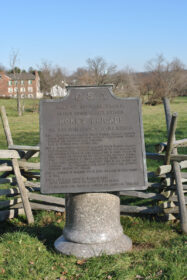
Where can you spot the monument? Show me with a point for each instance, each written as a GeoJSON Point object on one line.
{"type": "Point", "coordinates": [92, 147]}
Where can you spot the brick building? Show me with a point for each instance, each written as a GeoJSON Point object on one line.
{"type": "Point", "coordinates": [26, 84]}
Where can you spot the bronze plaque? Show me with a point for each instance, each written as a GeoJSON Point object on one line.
{"type": "Point", "coordinates": [91, 141]}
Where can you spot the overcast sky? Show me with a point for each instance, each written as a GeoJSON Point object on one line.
{"type": "Point", "coordinates": [68, 32]}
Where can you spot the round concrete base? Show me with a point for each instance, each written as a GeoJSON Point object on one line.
{"type": "Point", "coordinates": [120, 245]}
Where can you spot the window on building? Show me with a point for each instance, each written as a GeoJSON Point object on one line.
{"type": "Point", "coordinates": [30, 89]}
{"type": "Point", "coordinates": [15, 89]}
{"type": "Point", "coordinates": [10, 89]}
{"type": "Point", "coordinates": [22, 82]}
{"type": "Point", "coordinates": [30, 82]}
{"type": "Point", "coordinates": [15, 83]}
{"type": "Point", "coordinates": [30, 95]}
{"type": "Point", "coordinates": [10, 83]}
{"type": "Point", "coordinates": [22, 89]}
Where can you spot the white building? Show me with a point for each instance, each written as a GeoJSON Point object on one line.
{"type": "Point", "coordinates": [57, 91]}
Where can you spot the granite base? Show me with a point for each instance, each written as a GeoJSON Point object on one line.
{"type": "Point", "coordinates": [93, 226]}
{"type": "Point", "coordinates": [120, 245]}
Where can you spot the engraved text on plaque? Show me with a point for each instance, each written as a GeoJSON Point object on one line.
{"type": "Point", "coordinates": [91, 141]}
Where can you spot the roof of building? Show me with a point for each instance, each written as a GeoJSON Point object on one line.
{"type": "Point", "coordinates": [21, 76]}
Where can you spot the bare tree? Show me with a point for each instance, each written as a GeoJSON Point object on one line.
{"type": "Point", "coordinates": [125, 84]}
{"type": "Point", "coordinates": [99, 70]}
{"type": "Point", "coordinates": [45, 77]}
{"type": "Point", "coordinates": [50, 76]}
{"type": "Point", "coordinates": [59, 75]}
{"type": "Point", "coordinates": [13, 61]}
{"type": "Point", "coordinates": [81, 77]}
{"type": "Point", "coordinates": [178, 76]}
{"type": "Point", "coordinates": [162, 79]}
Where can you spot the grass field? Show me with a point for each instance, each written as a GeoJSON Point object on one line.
{"type": "Point", "coordinates": [27, 252]}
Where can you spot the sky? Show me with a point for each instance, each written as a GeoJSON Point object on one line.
{"type": "Point", "coordinates": [67, 33]}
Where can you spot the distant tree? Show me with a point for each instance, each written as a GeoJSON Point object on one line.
{"type": "Point", "coordinates": [14, 70]}
{"type": "Point", "coordinates": [125, 84]}
{"type": "Point", "coordinates": [45, 77]}
{"type": "Point", "coordinates": [31, 70]}
{"type": "Point", "coordinates": [179, 77]}
{"type": "Point", "coordinates": [99, 70]}
{"type": "Point", "coordinates": [162, 79]}
{"type": "Point", "coordinates": [81, 77]}
{"type": "Point", "coordinates": [50, 76]}
{"type": "Point", "coordinates": [59, 75]}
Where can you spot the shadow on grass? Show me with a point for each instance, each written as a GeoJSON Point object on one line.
{"type": "Point", "coordinates": [33, 108]}
{"type": "Point", "coordinates": [46, 234]}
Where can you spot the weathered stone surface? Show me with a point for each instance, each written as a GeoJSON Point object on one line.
{"type": "Point", "coordinates": [120, 245]}
{"type": "Point", "coordinates": [93, 226]}
{"type": "Point", "coordinates": [91, 141]}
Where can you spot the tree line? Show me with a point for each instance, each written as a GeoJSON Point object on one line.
{"type": "Point", "coordinates": [161, 78]}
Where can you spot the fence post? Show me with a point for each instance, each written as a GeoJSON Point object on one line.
{"type": "Point", "coordinates": [176, 169]}
{"type": "Point", "coordinates": [15, 164]}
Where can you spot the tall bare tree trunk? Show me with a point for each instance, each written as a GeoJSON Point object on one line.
{"type": "Point", "coordinates": [19, 109]}
{"type": "Point", "coordinates": [13, 61]}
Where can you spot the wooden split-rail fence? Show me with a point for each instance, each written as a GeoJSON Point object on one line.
{"type": "Point", "coordinates": [21, 175]}
{"type": "Point", "coordinates": [165, 196]}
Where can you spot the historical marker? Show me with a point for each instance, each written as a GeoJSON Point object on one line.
{"type": "Point", "coordinates": [91, 141]}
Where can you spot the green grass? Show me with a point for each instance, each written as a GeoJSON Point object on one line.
{"type": "Point", "coordinates": [24, 129]}
{"type": "Point", "coordinates": [27, 252]}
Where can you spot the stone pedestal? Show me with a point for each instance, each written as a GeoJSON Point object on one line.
{"type": "Point", "coordinates": [92, 226]}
